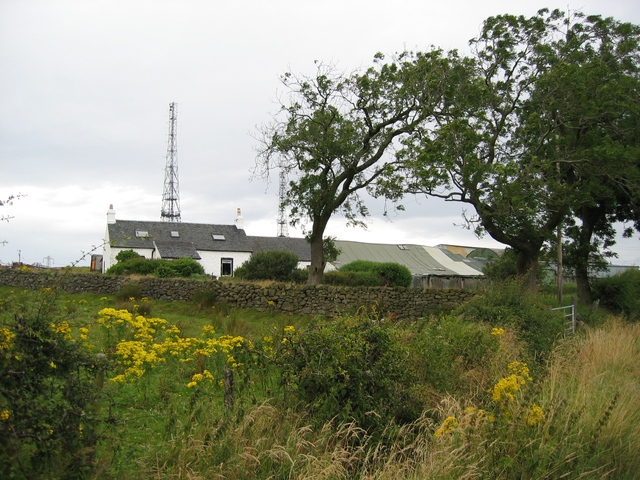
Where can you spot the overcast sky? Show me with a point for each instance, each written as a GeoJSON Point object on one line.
{"type": "Point", "coordinates": [85, 88]}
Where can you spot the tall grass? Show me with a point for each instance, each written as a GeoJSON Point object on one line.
{"type": "Point", "coordinates": [586, 397]}
{"type": "Point", "coordinates": [591, 429]}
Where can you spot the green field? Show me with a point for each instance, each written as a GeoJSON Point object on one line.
{"type": "Point", "coordinates": [123, 387]}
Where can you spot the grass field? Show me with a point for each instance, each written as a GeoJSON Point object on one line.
{"type": "Point", "coordinates": [197, 390]}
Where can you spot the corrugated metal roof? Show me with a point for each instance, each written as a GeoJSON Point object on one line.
{"type": "Point", "coordinates": [419, 259]}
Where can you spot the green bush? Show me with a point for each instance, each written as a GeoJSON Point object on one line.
{"type": "Point", "coordinates": [300, 275]}
{"type": "Point", "coordinates": [620, 293]}
{"type": "Point", "coordinates": [508, 304]}
{"type": "Point", "coordinates": [166, 271]}
{"type": "Point", "coordinates": [350, 368]}
{"type": "Point", "coordinates": [389, 273]}
{"type": "Point", "coordinates": [273, 265]}
{"type": "Point", "coordinates": [181, 267]}
{"type": "Point", "coordinates": [502, 268]}
{"type": "Point", "coordinates": [186, 267]}
{"type": "Point", "coordinates": [139, 266]}
{"type": "Point", "coordinates": [394, 274]}
{"type": "Point", "coordinates": [445, 349]}
{"type": "Point", "coordinates": [126, 255]}
{"type": "Point", "coordinates": [48, 423]}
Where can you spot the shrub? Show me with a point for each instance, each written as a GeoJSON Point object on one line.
{"type": "Point", "coordinates": [388, 273]}
{"type": "Point", "coordinates": [445, 349]}
{"type": "Point", "coordinates": [507, 304]}
{"type": "Point", "coordinates": [350, 368]}
{"type": "Point", "coordinates": [185, 267]}
{"type": "Point", "coordinates": [181, 267]}
{"type": "Point", "coordinates": [126, 255]}
{"type": "Point", "coordinates": [620, 293]}
{"type": "Point", "coordinates": [166, 271]}
{"type": "Point", "coordinates": [394, 274]}
{"type": "Point", "coordinates": [140, 266]}
{"type": "Point", "coordinates": [272, 265]}
{"type": "Point", "coordinates": [502, 268]}
{"type": "Point", "coordinates": [48, 424]}
{"type": "Point", "coordinates": [300, 275]}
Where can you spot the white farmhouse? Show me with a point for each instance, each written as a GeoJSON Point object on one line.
{"type": "Point", "coordinates": [220, 249]}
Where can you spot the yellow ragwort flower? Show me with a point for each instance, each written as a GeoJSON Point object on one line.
{"type": "Point", "coordinates": [534, 415]}
{"type": "Point", "coordinates": [450, 424]}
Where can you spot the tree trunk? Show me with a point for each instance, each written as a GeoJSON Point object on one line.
{"type": "Point", "coordinates": [588, 217]}
{"type": "Point", "coordinates": [316, 270]}
{"type": "Point", "coordinates": [585, 296]}
{"type": "Point", "coordinates": [527, 268]}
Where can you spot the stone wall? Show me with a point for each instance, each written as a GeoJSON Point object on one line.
{"type": "Point", "coordinates": [322, 300]}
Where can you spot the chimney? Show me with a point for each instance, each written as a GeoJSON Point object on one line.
{"type": "Point", "coordinates": [239, 220]}
{"type": "Point", "coordinates": [111, 215]}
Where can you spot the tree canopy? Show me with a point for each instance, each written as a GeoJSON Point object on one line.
{"type": "Point", "coordinates": [544, 135]}
{"type": "Point", "coordinates": [334, 133]}
{"type": "Point", "coordinates": [537, 130]}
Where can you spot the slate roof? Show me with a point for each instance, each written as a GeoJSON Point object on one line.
{"type": "Point", "coordinates": [419, 259]}
{"type": "Point", "coordinates": [177, 249]}
{"type": "Point", "coordinates": [122, 234]}
{"type": "Point", "coordinates": [298, 246]}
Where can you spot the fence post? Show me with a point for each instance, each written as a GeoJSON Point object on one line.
{"type": "Point", "coordinates": [229, 395]}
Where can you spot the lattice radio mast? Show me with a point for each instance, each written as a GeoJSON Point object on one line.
{"type": "Point", "coordinates": [283, 230]}
{"type": "Point", "coordinates": [171, 196]}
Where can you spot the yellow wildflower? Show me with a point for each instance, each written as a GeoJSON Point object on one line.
{"type": "Point", "coordinates": [6, 336]}
{"type": "Point", "coordinates": [5, 414]}
{"type": "Point", "coordinates": [450, 423]}
{"type": "Point", "coordinates": [209, 329]}
{"type": "Point", "coordinates": [506, 389]}
{"type": "Point", "coordinates": [497, 331]}
{"type": "Point", "coordinates": [534, 415]}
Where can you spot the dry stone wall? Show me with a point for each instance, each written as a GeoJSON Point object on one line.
{"type": "Point", "coordinates": [320, 300]}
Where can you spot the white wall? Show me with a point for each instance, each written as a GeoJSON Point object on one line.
{"type": "Point", "coordinates": [211, 261]}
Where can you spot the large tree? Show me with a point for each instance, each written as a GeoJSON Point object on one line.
{"type": "Point", "coordinates": [475, 155]}
{"type": "Point", "coordinates": [335, 133]}
{"type": "Point", "coordinates": [541, 134]}
{"type": "Point", "coordinates": [584, 115]}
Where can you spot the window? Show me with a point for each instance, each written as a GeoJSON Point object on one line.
{"type": "Point", "coordinates": [175, 234]}
{"type": "Point", "coordinates": [403, 247]}
{"type": "Point", "coordinates": [142, 233]}
{"type": "Point", "coordinates": [226, 267]}
{"type": "Point", "coordinates": [217, 236]}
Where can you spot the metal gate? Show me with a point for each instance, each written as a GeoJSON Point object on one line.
{"type": "Point", "coordinates": [569, 313]}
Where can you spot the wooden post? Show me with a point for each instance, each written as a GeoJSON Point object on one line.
{"type": "Point", "coordinates": [229, 395]}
